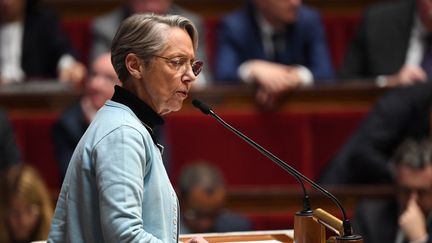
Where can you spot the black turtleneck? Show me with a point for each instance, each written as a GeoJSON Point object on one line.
{"type": "Point", "coordinates": [146, 114]}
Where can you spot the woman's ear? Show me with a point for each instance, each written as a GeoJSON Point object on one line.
{"type": "Point", "coordinates": [134, 65]}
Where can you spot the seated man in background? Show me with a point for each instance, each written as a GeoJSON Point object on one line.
{"type": "Point", "coordinates": [70, 127]}
{"type": "Point", "coordinates": [202, 197]}
{"type": "Point", "coordinates": [407, 218]}
{"type": "Point", "coordinates": [104, 27]}
{"type": "Point", "coordinates": [33, 46]}
{"type": "Point", "coordinates": [402, 113]}
{"type": "Point", "coordinates": [278, 44]}
{"type": "Point", "coordinates": [9, 152]}
{"type": "Point", "coordinates": [393, 44]}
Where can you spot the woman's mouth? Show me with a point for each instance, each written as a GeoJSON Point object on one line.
{"type": "Point", "coordinates": [183, 94]}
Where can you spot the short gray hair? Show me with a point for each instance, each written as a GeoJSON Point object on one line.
{"type": "Point", "coordinates": [199, 174]}
{"type": "Point", "coordinates": [414, 154]}
{"type": "Point", "coordinates": [145, 35]}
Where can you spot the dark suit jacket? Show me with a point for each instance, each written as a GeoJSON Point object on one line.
{"type": "Point", "coordinates": [9, 152]}
{"type": "Point", "coordinates": [240, 40]}
{"type": "Point", "coordinates": [377, 221]}
{"type": "Point", "coordinates": [67, 131]}
{"type": "Point", "coordinates": [43, 44]}
{"type": "Point", "coordinates": [402, 113]}
{"type": "Point", "coordinates": [381, 42]}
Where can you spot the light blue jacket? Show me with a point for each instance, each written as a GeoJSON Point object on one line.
{"type": "Point", "coordinates": [116, 188]}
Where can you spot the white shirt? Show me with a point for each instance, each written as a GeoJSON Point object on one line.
{"type": "Point", "coordinates": [416, 46]}
{"type": "Point", "coordinates": [11, 38]}
{"type": "Point", "coordinates": [415, 50]}
{"type": "Point", "coordinates": [267, 31]}
{"type": "Point", "coordinates": [11, 35]}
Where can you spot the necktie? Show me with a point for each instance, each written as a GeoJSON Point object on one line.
{"type": "Point", "coordinates": [279, 46]}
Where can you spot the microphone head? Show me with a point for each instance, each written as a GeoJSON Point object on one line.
{"type": "Point", "coordinates": [202, 106]}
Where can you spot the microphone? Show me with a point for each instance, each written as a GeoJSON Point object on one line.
{"type": "Point", "coordinates": [347, 231]}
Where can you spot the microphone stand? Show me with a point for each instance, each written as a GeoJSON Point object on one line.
{"type": "Point", "coordinates": [346, 235]}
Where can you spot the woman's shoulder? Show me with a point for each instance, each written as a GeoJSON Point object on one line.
{"type": "Point", "coordinates": [113, 116]}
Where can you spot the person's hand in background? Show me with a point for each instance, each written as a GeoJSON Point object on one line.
{"type": "Point", "coordinates": [74, 73]}
{"type": "Point", "coordinates": [412, 221]}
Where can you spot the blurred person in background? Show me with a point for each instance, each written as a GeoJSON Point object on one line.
{"type": "Point", "coordinates": [69, 128]}
{"type": "Point", "coordinates": [393, 45]}
{"type": "Point", "coordinates": [202, 196]}
{"type": "Point", "coordinates": [9, 151]}
{"type": "Point", "coordinates": [25, 206]}
{"type": "Point", "coordinates": [279, 45]}
{"type": "Point", "coordinates": [404, 112]}
{"type": "Point", "coordinates": [407, 217]}
{"type": "Point", "coordinates": [33, 45]}
{"type": "Point", "coordinates": [104, 27]}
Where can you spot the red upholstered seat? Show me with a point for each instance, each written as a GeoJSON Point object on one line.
{"type": "Point", "coordinates": [340, 29]}
{"type": "Point", "coordinates": [329, 131]}
{"type": "Point", "coordinates": [34, 138]}
{"type": "Point", "coordinates": [271, 221]}
{"type": "Point", "coordinates": [198, 137]}
{"type": "Point", "coordinates": [306, 141]}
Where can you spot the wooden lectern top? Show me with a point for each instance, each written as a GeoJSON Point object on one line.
{"type": "Point", "coordinates": [267, 236]}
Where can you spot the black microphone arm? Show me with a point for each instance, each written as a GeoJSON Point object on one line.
{"type": "Point", "coordinates": [299, 176]}
{"type": "Point", "coordinates": [208, 111]}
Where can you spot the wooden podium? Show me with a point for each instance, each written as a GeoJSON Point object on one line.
{"type": "Point", "coordinates": [274, 236]}
{"type": "Point", "coordinates": [308, 227]}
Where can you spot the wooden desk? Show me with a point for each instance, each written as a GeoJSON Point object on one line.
{"type": "Point", "coordinates": [345, 96]}
{"type": "Point", "coordinates": [285, 236]}
{"type": "Point", "coordinates": [54, 96]}
{"type": "Point", "coordinates": [37, 96]}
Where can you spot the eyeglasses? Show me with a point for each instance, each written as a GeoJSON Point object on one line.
{"type": "Point", "coordinates": [180, 63]}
